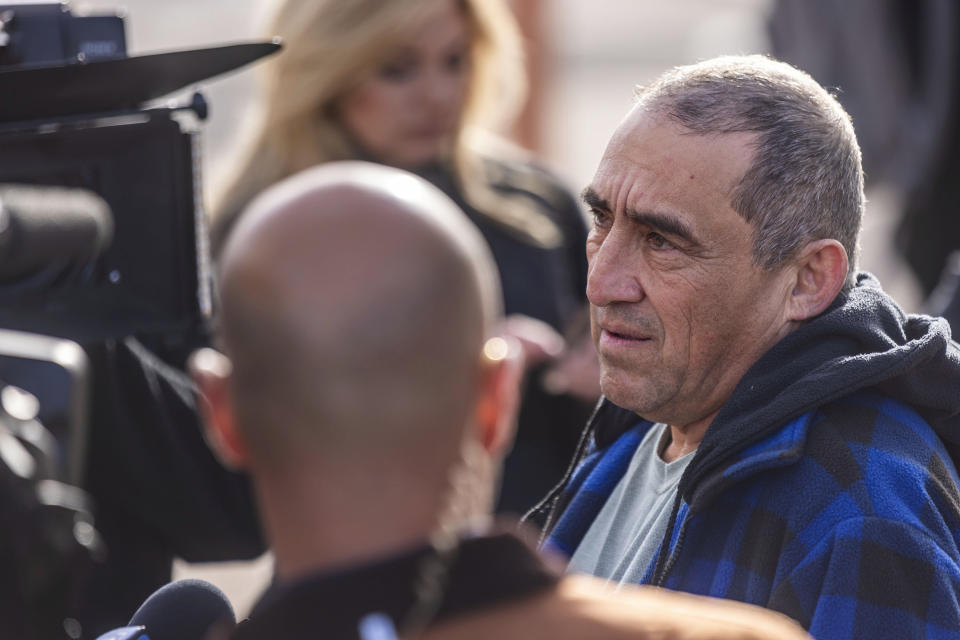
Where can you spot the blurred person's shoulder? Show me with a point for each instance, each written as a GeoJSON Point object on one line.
{"type": "Point", "coordinates": [512, 169]}
{"type": "Point", "coordinates": [586, 607]}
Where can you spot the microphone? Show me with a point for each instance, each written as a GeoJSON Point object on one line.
{"type": "Point", "coordinates": [41, 226]}
{"type": "Point", "coordinates": [125, 633]}
{"type": "Point", "coordinates": [181, 610]}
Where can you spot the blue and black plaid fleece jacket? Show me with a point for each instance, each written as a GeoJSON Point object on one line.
{"type": "Point", "coordinates": [825, 488]}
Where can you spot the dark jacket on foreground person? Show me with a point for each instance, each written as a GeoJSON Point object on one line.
{"type": "Point", "coordinates": [826, 487]}
{"type": "Point", "coordinates": [497, 588]}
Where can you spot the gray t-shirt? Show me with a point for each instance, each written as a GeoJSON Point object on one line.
{"type": "Point", "coordinates": [625, 535]}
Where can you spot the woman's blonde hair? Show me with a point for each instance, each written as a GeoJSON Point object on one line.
{"type": "Point", "coordinates": [328, 46]}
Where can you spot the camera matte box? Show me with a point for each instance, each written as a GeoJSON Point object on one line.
{"type": "Point", "coordinates": [147, 280]}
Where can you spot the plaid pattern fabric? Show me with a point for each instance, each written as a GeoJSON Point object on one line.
{"type": "Point", "coordinates": [846, 519]}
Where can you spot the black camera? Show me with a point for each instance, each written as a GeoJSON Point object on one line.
{"type": "Point", "coordinates": [102, 238]}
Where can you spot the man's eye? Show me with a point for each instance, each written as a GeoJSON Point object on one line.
{"type": "Point", "coordinates": [657, 241]}
{"type": "Point", "coordinates": [600, 218]}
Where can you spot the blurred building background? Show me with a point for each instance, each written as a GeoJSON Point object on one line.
{"type": "Point", "coordinates": [586, 56]}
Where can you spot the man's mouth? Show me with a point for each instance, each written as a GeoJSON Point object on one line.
{"type": "Point", "coordinates": [624, 331]}
{"type": "Point", "coordinates": [611, 337]}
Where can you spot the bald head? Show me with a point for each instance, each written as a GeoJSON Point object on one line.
{"type": "Point", "coordinates": [355, 303]}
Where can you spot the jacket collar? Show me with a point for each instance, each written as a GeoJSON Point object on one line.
{"type": "Point", "coordinates": [777, 449]}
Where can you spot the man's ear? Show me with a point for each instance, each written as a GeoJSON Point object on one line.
{"type": "Point", "coordinates": [499, 395]}
{"type": "Point", "coordinates": [211, 371]}
{"type": "Point", "coordinates": [821, 270]}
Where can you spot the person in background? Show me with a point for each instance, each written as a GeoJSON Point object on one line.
{"type": "Point", "coordinates": [371, 412]}
{"type": "Point", "coordinates": [418, 84]}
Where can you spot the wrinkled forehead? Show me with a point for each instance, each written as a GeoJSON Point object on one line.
{"type": "Point", "coordinates": [650, 156]}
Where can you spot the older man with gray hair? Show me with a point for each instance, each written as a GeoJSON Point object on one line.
{"type": "Point", "coordinates": [775, 429]}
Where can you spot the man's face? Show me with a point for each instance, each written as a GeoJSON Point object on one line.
{"type": "Point", "coordinates": [679, 312]}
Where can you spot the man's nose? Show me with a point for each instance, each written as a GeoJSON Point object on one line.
{"type": "Point", "coordinates": [612, 273]}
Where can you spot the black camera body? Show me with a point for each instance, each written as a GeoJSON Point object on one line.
{"type": "Point", "coordinates": [49, 543]}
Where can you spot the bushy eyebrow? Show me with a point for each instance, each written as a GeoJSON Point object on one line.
{"type": "Point", "coordinates": [662, 222]}
{"type": "Point", "coordinates": [592, 199]}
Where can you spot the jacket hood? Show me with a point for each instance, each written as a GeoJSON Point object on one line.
{"type": "Point", "coordinates": [862, 341]}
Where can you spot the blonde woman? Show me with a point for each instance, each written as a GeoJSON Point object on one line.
{"type": "Point", "coordinates": [416, 84]}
